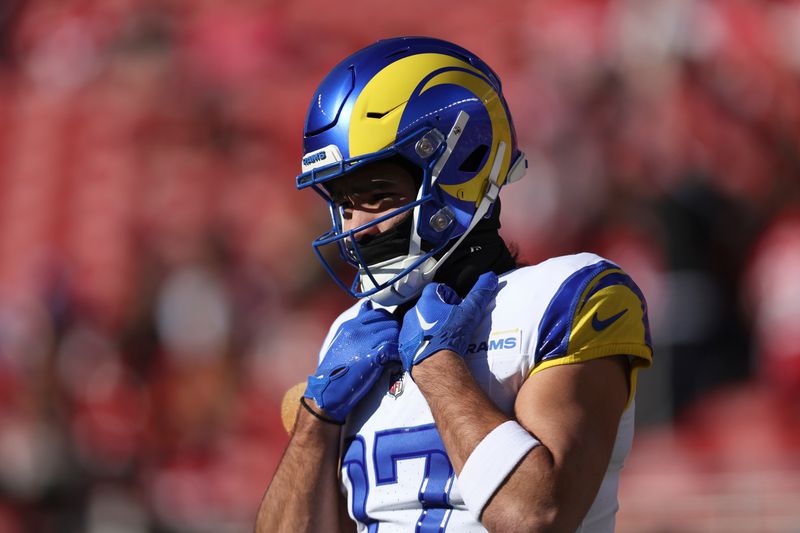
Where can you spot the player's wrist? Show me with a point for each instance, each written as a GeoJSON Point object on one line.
{"type": "Point", "coordinates": [315, 411]}
{"type": "Point", "coordinates": [435, 364]}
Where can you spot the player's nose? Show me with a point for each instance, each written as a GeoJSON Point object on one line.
{"type": "Point", "coordinates": [359, 218]}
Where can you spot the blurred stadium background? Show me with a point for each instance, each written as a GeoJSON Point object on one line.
{"type": "Point", "coordinates": [158, 293]}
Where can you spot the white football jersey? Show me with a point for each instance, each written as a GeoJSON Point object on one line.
{"type": "Point", "coordinates": [395, 470]}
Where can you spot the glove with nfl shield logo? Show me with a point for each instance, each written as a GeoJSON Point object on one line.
{"type": "Point", "coordinates": [442, 321]}
{"type": "Point", "coordinates": [354, 361]}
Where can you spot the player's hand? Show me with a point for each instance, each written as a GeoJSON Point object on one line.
{"type": "Point", "coordinates": [354, 361]}
{"type": "Point", "coordinates": [442, 321]}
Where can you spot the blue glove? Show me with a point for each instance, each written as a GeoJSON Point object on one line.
{"type": "Point", "coordinates": [441, 321]}
{"type": "Point", "coordinates": [354, 361]}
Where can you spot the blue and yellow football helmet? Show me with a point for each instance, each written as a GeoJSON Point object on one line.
{"type": "Point", "coordinates": [439, 108]}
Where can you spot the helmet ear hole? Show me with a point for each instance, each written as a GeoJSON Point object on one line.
{"type": "Point", "coordinates": [473, 161]}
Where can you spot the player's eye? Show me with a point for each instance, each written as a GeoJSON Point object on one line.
{"type": "Point", "coordinates": [377, 197]}
{"type": "Point", "coordinates": [341, 201]}
{"type": "Point", "coordinates": [380, 199]}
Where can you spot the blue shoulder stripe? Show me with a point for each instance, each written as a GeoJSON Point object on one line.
{"type": "Point", "coordinates": [556, 325]}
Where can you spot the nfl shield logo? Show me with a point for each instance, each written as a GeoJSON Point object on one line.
{"type": "Point", "coordinates": [396, 384]}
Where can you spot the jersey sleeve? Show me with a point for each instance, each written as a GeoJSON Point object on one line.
{"type": "Point", "coordinates": [597, 312]}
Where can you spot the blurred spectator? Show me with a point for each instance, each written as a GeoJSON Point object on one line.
{"type": "Point", "coordinates": [773, 298]}
{"type": "Point", "coordinates": [8, 18]}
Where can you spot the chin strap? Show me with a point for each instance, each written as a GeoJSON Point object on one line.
{"type": "Point", "coordinates": [489, 196]}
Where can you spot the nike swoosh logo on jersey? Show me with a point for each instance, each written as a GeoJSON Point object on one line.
{"type": "Point", "coordinates": [600, 325]}
{"type": "Point", "coordinates": [422, 322]}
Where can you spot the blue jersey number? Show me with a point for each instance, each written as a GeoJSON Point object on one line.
{"type": "Point", "coordinates": [394, 445]}
{"type": "Point", "coordinates": [354, 464]}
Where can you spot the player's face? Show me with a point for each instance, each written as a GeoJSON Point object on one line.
{"type": "Point", "coordinates": [370, 192]}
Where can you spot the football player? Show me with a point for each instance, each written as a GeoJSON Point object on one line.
{"type": "Point", "coordinates": [461, 392]}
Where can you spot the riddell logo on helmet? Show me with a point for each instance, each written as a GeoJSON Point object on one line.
{"type": "Point", "coordinates": [314, 158]}
{"type": "Point", "coordinates": [323, 156]}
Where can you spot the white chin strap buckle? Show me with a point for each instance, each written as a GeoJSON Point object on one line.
{"type": "Point", "coordinates": [401, 290]}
